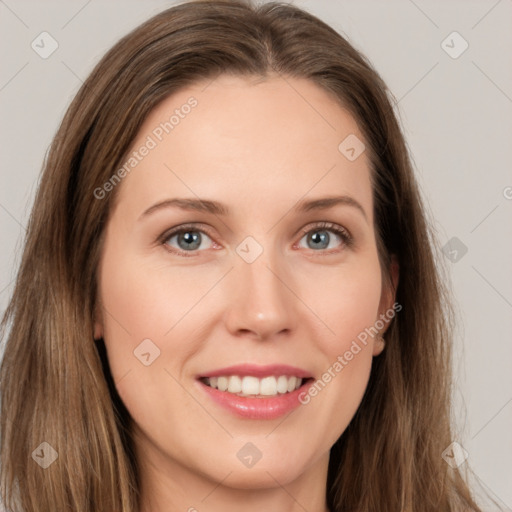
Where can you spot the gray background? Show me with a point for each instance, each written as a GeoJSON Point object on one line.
{"type": "Point", "coordinates": [456, 114]}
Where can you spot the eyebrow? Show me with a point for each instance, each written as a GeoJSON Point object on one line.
{"type": "Point", "coordinates": [216, 208]}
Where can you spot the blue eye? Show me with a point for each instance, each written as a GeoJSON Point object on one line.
{"type": "Point", "coordinates": [319, 236]}
{"type": "Point", "coordinates": [189, 238]}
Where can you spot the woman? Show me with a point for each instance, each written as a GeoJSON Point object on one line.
{"type": "Point", "coordinates": [178, 339]}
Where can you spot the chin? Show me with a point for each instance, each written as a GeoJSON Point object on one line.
{"type": "Point", "coordinates": [275, 467]}
{"type": "Point", "coordinates": [262, 477]}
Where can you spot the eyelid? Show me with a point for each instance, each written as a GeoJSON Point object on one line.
{"type": "Point", "coordinates": [184, 227]}
{"type": "Point", "coordinates": [339, 230]}
{"type": "Point", "coordinates": [328, 226]}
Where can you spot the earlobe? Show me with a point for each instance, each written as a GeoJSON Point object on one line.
{"type": "Point", "coordinates": [387, 303]}
{"type": "Point", "coordinates": [378, 345]}
{"type": "Point", "coordinates": [389, 292]}
{"type": "Point", "coordinates": [98, 331]}
{"type": "Point", "coordinates": [98, 324]}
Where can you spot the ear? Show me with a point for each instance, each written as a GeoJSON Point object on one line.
{"type": "Point", "coordinates": [387, 300]}
{"type": "Point", "coordinates": [98, 322]}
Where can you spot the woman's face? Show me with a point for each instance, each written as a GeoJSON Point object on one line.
{"type": "Point", "coordinates": [256, 280]}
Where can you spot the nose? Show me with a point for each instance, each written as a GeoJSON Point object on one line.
{"type": "Point", "coordinates": [262, 304]}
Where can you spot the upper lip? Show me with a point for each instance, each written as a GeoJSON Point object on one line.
{"type": "Point", "coordinates": [258, 371]}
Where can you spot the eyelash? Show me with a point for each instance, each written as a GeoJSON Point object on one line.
{"type": "Point", "coordinates": [345, 236]}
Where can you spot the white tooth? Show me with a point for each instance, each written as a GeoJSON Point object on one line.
{"type": "Point", "coordinates": [250, 386]}
{"type": "Point", "coordinates": [235, 384]}
{"type": "Point", "coordinates": [282, 384]}
{"type": "Point", "coordinates": [268, 386]}
{"type": "Point", "coordinates": [222, 383]}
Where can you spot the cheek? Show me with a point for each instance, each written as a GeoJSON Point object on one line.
{"type": "Point", "coordinates": [143, 301]}
{"type": "Point", "coordinates": [348, 305]}
{"type": "Point", "coordinates": [141, 307]}
{"type": "Point", "coordinates": [347, 302]}
{"type": "Point", "coordinates": [151, 313]}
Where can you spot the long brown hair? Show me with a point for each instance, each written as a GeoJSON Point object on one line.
{"type": "Point", "coordinates": [56, 386]}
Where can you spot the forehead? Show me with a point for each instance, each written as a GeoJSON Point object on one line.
{"type": "Point", "coordinates": [249, 139]}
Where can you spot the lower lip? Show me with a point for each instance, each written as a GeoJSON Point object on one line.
{"type": "Point", "coordinates": [257, 408]}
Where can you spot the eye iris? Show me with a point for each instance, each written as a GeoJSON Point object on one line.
{"type": "Point", "coordinates": [193, 241]}
{"type": "Point", "coordinates": [320, 236]}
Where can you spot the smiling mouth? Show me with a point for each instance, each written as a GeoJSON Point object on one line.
{"type": "Point", "coordinates": [254, 387]}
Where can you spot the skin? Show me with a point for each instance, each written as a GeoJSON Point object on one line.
{"type": "Point", "coordinates": [257, 146]}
